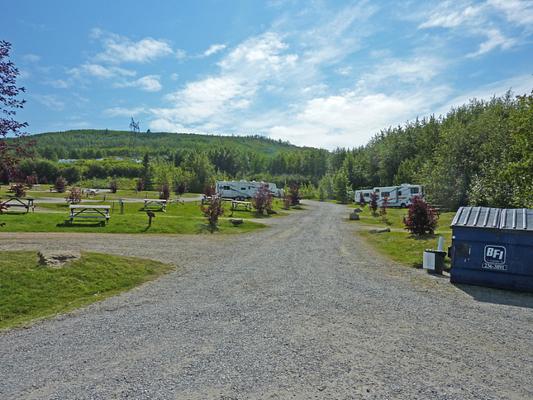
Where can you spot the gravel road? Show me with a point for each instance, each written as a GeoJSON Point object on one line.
{"type": "Point", "coordinates": [303, 309]}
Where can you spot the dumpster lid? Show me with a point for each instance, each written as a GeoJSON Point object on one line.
{"type": "Point", "coordinates": [520, 219]}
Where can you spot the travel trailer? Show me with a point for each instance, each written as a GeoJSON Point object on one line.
{"type": "Point", "coordinates": [241, 190]}
{"type": "Point", "coordinates": [397, 196]}
{"type": "Point", "coordinates": [366, 195]}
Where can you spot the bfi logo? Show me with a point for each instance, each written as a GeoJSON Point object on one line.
{"type": "Point", "coordinates": [495, 254]}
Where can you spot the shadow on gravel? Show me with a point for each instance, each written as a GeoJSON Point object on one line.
{"type": "Point", "coordinates": [498, 296]}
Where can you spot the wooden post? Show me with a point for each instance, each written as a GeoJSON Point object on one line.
{"type": "Point", "coordinates": [150, 216]}
{"type": "Point", "coordinates": [121, 202]}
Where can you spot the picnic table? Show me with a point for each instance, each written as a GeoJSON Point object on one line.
{"type": "Point", "coordinates": [235, 204]}
{"type": "Point", "coordinates": [89, 211]}
{"type": "Point", "coordinates": [26, 203]}
{"type": "Point", "coordinates": [155, 204]}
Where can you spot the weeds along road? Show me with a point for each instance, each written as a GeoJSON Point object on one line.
{"type": "Point", "coordinates": [300, 310]}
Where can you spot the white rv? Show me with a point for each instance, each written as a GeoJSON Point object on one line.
{"type": "Point", "coordinates": [241, 190]}
{"type": "Point", "coordinates": [398, 196]}
{"type": "Point", "coordinates": [366, 195]}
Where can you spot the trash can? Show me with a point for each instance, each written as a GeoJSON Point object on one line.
{"type": "Point", "coordinates": [433, 261]}
{"type": "Point", "coordinates": [493, 247]}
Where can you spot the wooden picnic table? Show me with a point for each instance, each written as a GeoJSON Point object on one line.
{"type": "Point", "coordinates": [155, 204]}
{"type": "Point", "coordinates": [89, 211]}
{"type": "Point", "coordinates": [26, 202]}
{"type": "Point", "coordinates": [236, 203]}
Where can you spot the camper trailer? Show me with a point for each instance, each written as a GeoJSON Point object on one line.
{"type": "Point", "coordinates": [241, 190]}
{"type": "Point", "coordinates": [398, 196]}
{"type": "Point", "coordinates": [366, 195]}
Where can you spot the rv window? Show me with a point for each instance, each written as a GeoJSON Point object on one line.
{"type": "Point", "coordinates": [225, 188]}
{"type": "Point", "coordinates": [366, 195]}
{"type": "Point", "coordinates": [414, 190]}
{"type": "Point", "coordinates": [399, 192]}
{"type": "Point", "coordinates": [243, 188]}
{"type": "Point", "coordinates": [385, 194]}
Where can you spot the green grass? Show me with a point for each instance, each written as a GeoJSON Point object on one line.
{"type": "Point", "coordinates": [400, 245]}
{"type": "Point", "coordinates": [178, 219]}
{"type": "Point", "coordinates": [29, 291]}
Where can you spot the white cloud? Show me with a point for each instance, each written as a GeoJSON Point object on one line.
{"type": "Point", "coordinates": [450, 15]}
{"type": "Point", "coordinates": [495, 39]}
{"type": "Point", "coordinates": [213, 49]}
{"type": "Point", "coordinates": [124, 112]}
{"type": "Point", "coordinates": [120, 49]}
{"type": "Point", "coordinates": [50, 101]}
{"type": "Point", "coordinates": [242, 73]}
{"type": "Point", "coordinates": [100, 71]}
{"type": "Point", "coordinates": [148, 83]}
{"type": "Point", "coordinates": [174, 76]}
{"type": "Point", "coordinates": [31, 58]}
{"type": "Point", "coordinates": [58, 83]}
{"type": "Point", "coordinates": [516, 11]}
{"type": "Point", "coordinates": [409, 70]}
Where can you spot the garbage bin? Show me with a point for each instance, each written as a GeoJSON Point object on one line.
{"type": "Point", "coordinates": [493, 247]}
{"type": "Point", "coordinates": [433, 261]}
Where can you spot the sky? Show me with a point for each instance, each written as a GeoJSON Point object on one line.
{"type": "Point", "coordinates": [316, 73]}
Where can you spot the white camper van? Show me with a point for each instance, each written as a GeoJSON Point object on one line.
{"type": "Point", "coordinates": [398, 196]}
{"type": "Point", "coordinates": [241, 190]}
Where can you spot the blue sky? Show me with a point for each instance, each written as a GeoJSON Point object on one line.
{"type": "Point", "coordinates": [317, 73]}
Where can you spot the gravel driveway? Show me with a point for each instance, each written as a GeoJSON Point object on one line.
{"type": "Point", "coordinates": [300, 310]}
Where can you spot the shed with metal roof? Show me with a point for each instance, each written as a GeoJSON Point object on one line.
{"type": "Point", "coordinates": [493, 247]}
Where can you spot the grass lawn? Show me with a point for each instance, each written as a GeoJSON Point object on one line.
{"type": "Point", "coordinates": [29, 291]}
{"type": "Point", "coordinates": [398, 244]}
{"type": "Point", "coordinates": [179, 219]}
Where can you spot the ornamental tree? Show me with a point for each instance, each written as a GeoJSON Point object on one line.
{"type": "Point", "coordinates": [10, 151]}
{"type": "Point", "coordinates": [421, 217]}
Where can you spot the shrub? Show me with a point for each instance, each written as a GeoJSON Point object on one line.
{"type": "Point", "coordinates": [18, 190]}
{"type": "Point", "coordinates": [362, 201]}
{"type": "Point", "coordinates": [421, 217]}
{"type": "Point", "coordinates": [164, 192]}
{"type": "Point", "coordinates": [60, 185]}
{"type": "Point", "coordinates": [139, 185]}
{"type": "Point", "coordinates": [374, 203]}
{"type": "Point", "coordinates": [340, 187]}
{"type": "Point", "coordinates": [383, 209]}
{"type": "Point", "coordinates": [74, 195]}
{"type": "Point", "coordinates": [286, 201]}
{"type": "Point", "coordinates": [113, 186]}
{"type": "Point", "coordinates": [262, 201]}
{"type": "Point", "coordinates": [31, 180]}
{"type": "Point", "coordinates": [294, 194]}
{"type": "Point", "coordinates": [212, 211]}
{"type": "Point", "coordinates": [209, 190]}
{"type": "Point", "coordinates": [180, 188]}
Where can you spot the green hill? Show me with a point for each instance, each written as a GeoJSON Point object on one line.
{"type": "Point", "coordinates": [105, 143]}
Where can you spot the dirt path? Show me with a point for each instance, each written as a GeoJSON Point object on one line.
{"type": "Point", "coordinates": [300, 310]}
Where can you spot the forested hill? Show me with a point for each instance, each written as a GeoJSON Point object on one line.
{"type": "Point", "coordinates": [93, 143]}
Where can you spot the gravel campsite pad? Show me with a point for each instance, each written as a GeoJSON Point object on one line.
{"type": "Point", "coordinates": [303, 309]}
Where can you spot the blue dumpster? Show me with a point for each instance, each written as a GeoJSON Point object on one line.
{"type": "Point", "coordinates": [493, 247]}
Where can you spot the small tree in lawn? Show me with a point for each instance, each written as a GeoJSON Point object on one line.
{"type": "Point", "coordinates": [421, 217]}
{"type": "Point", "coordinates": [212, 211]}
{"type": "Point", "coordinates": [340, 187]}
{"type": "Point", "coordinates": [362, 201]}
{"type": "Point", "coordinates": [383, 210]}
{"type": "Point", "coordinates": [294, 193]}
{"type": "Point", "coordinates": [286, 201]}
{"type": "Point", "coordinates": [180, 188]}
{"type": "Point", "coordinates": [60, 184]}
{"type": "Point", "coordinates": [374, 203]}
{"type": "Point", "coordinates": [164, 192]}
{"type": "Point", "coordinates": [113, 186]}
{"type": "Point", "coordinates": [31, 180]}
{"type": "Point", "coordinates": [262, 201]}
{"type": "Point", "coordinates": [139, 185]}
{"type": "Point", "coordinates": [209, 190]}
{"type": "Point", "coordinates": [74, 195]}
{"type": "Point", "coordinates": [18, 190]}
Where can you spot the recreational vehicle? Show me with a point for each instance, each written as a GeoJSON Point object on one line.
{"type": "Point", "coordinates": [241, 190]}
{"type": "Point", "coordinates": [398, 196]}
{"type": "Point", "coordinates": [366, 195]}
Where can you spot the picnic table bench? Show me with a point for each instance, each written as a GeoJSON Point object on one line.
{"type": "Point", "coordinates": [155, 204]}
{"type": "Point", "coordinates": [89, 211]}
{"type": "Point", "coordinates": [26, 203]}
{"type": "Point", "coordinates": [235, 204]}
